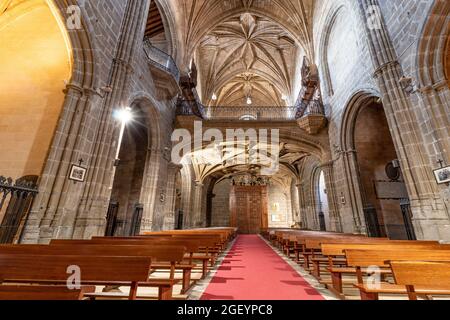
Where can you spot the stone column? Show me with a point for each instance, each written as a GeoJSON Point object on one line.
{"type": "Point", "coordinates": [295, 204]}
{"type": "Point", "coordinates": [333, 205]}
{"type": "Point", "coordinates": [91, 216]}
{"type": "Point", "coordinates": [302, 206]}
{"type": "Point", "coordinates": [55, 205]}
{"type": "Point", "coordinates": [171, 194]}
{"type": "Point", "coordinates": [430, 216]}
{"type": "Point", "coordinates": [196, 219]}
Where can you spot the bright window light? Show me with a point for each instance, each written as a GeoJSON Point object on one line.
{"type": "Point", "coordinates": [124, 115]}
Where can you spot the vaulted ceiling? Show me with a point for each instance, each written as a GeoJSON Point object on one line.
{"type": "Point", "coordinates": [247, 56]}
{"type": "Point", "coordinates": [244, 48]}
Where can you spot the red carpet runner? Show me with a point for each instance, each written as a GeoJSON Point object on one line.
{"type": "Point", "coordinates": [253, 271]}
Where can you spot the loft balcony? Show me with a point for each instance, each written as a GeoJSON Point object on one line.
{"type": "Point", "coordinates": [309, 116]}
{"type": "Point", "coordinates": [165, 72]}
{"type": "Point", "coordinates": [250, 113]}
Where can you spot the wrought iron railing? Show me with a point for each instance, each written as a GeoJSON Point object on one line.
{"type": "Point", "coordinates": [15, 203]}
{"type": "Point", "coordinates": [251, 113]}
{"type": "Point", "coordinates": [314, 107]}
{"type": "Point", "coordinates": [161, 60]}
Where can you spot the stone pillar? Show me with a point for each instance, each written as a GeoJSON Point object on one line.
{"type": "Point", "coordinates": [196, 219]}
{"type": "Point", "coordinates": [169, 216]}
{"type": "Point", "coordinates": [153, 194]}
{"type": "Point", "coordinates": [333, 205]}
{"type": "Point", "coordinates": [302, 206]}
{"type": "Point", "coordinates": [295, 204]}
{"type": "Point", "coordinates": [430, 215]}
{"type": "Point", "coordinates": [92, 212]}
{"type": "Point", "coordinates": [55, 205]}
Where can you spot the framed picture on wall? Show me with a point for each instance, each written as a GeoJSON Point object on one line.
{"type": "Point", "coordinates": [442, 175]}
{"type": "Point", "coordinates": [77, 173]}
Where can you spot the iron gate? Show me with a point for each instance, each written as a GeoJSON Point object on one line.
{"type": "Point", "coordinates": [136, 221]}
{"type": "Point", "coordinates": [405, 205]}
{"type": "Point", "coordinates": [16, 199]}
{"type": "Point", "coordinates": [111, 219]}
{"type": "Point", "coordinates": [373, 226]}
{"type": "Point", "coordinates": [322, 222]}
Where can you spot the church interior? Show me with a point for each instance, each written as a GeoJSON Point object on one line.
{"type": "Point", "coordinates": [194, 146]}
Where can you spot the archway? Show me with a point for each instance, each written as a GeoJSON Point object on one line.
{"type": "Point", "coordinates": [126, 210]}
{"type": "Point", "coordinates": [383, 191]}
{"type": "Point", "coordinates": [321, 200]}
{"type": "Point", "coordinates": [36, 64]}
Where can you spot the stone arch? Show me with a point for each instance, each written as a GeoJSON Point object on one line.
{"type": "Point", "coordinates": [80, 81]}
{"type": "Point", "coordinates": [82, 93]}
{"type": "Point", "coordinates": [381, 216]}
{"type": "Point", "coordinates": [169, 26]}
{"type": "Point", "coordinates": [337, 11]}
{"type": "Point", "coordinates": [323, 47]}
{"type": "Point", "coordinates": [155, 152]}
{"type": "Point", "coordinates": [432, 61]}
{"type": "Point", "coordinates": [348, 155]}
{"type": "Point", "coordinates": [83, 47]}
{"type": "Point", "coordinates": [433, 57]}
{"type": "Point", "coordinates": [129, 180]}
{"type": "Point", "coordinates": [320, 199]}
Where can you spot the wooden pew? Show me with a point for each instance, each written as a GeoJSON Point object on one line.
{"type": "Point", "coordinates": [164, 253]}
{"type": "Point", "coordinates": [164, 256]}
{"type": "Point", "coordinates": [53, 269]}
{"type": "Point", "coordinates": [334, 252]}
{"type": "Point", "coordinates": [363, 259]}
{"type": "Point", "coordinates": [309, 246]}
{"type": "Point", "coordinates": [192, 245]}
{"type": "Point", "coordinates": [42, 293]}
{"type": "Point", "coordinates": [419, 277]}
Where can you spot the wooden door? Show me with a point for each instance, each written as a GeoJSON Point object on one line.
{"type": "Point", "coordinates": [248, 206]}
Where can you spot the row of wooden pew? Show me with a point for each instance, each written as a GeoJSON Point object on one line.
{"type": "Point", "coordinates": [376, 267]}
{"type": "Point", "coordinates": [111, 268]}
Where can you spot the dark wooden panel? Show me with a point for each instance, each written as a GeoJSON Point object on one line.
{"type": "Point", "coordinates": [248, 206]}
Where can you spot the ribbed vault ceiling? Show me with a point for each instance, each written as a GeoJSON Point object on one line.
{"type": "Point", "coordinates": [244, 47]}
{"type": "Point", "coordinates": [247, 56]}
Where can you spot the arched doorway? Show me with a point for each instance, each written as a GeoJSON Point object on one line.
{"type": "Point", "coordinates": [36, 64]}
{"type": "Point", "coordinates": [126, 210]}
{"type": "Point", "coordinates": [321, 199]}
{"type": "Point", "coordinates": [383, 191]}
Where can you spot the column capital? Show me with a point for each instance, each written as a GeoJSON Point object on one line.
{"type": "Point", "coordinates": [175, 166]}
{"type": "Point", "coordinates": [199, 184]}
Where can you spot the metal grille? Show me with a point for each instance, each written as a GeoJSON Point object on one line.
{"type": "Point", "coordinates": [161, 59]}
{"type": "Point", "coordinates": [16, 199]}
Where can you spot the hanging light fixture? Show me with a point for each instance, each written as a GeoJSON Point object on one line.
{"type": "Point", "coordinates": [249, 101]}
{"type": "Point", "coordinates": [214, 96]}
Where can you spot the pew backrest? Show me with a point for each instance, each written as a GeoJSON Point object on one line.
{"type": "Point", "coordinates": [381, 258]}
{"type": "Point", "coordinates": [58, 268]}
{"type": "Point", "coordinates": [337, 249]}
{"type": "Point", "coordinates": [421, 273]}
